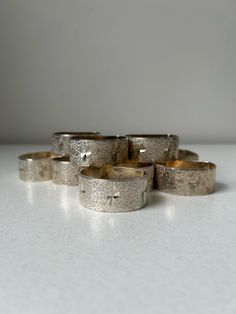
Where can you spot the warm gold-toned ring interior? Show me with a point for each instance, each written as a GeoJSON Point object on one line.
{"type": "Point", "coordinates": [69, 134]}
{"type": "Point", "coordinates": [187, 165]}
{"type": "Point", "coordinates": [152, 135]}
{"type": "Point", "coordinates": [112, 172]}
{"type": "Point", "coordinates": [98, 137]}
{"type": "Point", "coordinates": [135, 164]}
{"type": "Point", "coordinates": [63, 159]}
{"type": "Point", "coordinates": [38, 155]}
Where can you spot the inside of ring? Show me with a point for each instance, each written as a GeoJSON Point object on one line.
{"type": "Point", "coordinates": [184, 164]}
{"type": "Point", "coordinates": [112, 172]}
{"type": "Point", "coordinates": [135, 164]}
{"type": "Point", "coordinates": [151, 135]}
{"type": "Point", "coordinates": [38, 155]}
{"type": "Point", "coordinates": [62, 159]}
{"type": "Point", "coordinates": [75, 133]}
{"type": "Point", "coordinates": [98, 137]}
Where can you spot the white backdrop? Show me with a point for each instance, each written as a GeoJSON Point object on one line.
{"type": "Point", "coordinates": [119, 67]}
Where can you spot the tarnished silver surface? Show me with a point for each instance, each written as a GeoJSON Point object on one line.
{"type": "Point", "coordinates": [185, 177]}
{"type": "Point", "coordinates": [112, 189]}
{"type": "Point", "coordinates": [152, 147]}
{"type": "Point", "coordinates": [36, 166]}
{"type": "Point", "coordinates": [64, 172]}
{"type": "Point", "coordinates": [185, 154]}
{"type": "Point", "coordinates": [148, 167]}
{"type": "Point", "coordinates": [98, 151]}
{"type": "Point", "coordinates": [61, 140]}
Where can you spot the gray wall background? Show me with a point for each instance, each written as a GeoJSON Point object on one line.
{"type": "Point", "coordinates": [119, 67]}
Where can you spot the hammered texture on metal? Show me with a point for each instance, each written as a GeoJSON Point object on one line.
{"type": "Point", "coordinates": [35, 170]}
{"type": "Point", "coordinates": [153, 148]}
{"type": "Point", "coordinates": [65, 173]}
{"type": "Point", "coordinates": [185, 154]}
{"type": "Point", "coordinates": [89, 152]}
{"type": "Point", "coordinates": [113, 196]}
{"type": "Point", "coordinates": [184, 181]}
{"type": "Point", "coordinates": [61, 141]}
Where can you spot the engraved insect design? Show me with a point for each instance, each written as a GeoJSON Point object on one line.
{"type": "Point", "coordinates": [140, 152]}
{"type": "Point", "coordinates": [111, 199]}
{"type": "Point", "coordinates": [84, 156]}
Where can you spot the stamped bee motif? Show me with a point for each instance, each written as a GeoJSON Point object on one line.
{"type": "Point", "coordinates": [111, 199]}
{"type": "Point", "coordinates": [84, 156]}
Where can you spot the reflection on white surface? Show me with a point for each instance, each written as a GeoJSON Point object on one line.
{"type": "Point", "coordinates": [30, 192]}
{"type": "Point", "coordinates": [99, 222]}
{"type": "Point", "coordinates": [67, 198]}
{"type": "Point", "coordinates": [170, 212]}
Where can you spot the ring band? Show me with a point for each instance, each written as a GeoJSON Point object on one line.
{"type": "Point", "coordinates": [185, 177]}
{"type": "Point", "coordinates": [185, 154]}
{"type": "Point", "coordinates": [64, 172]}
{"type": "Point", "coordinates": [148, 167]}
{"type": "Point", "coordinates": [61, 140]}
{"type": "Point", "coordinates": [36, 166]}
{"type": "Point", "coordinates": [98, 150]}
{"type": "Point", "coordinates": [112, 189]}
{"type": "Point", "coordinates": [153, 147]}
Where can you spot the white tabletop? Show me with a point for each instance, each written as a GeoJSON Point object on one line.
{"type": "Point", "coordinates": [176, 256]}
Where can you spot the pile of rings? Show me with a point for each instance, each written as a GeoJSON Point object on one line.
{"type": "Point", "coordinates": [117, 173]}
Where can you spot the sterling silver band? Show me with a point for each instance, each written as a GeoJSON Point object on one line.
{"type": "Point", "coordinates": [153, 147]}
{"type": "Point", "coordinates": [98, 150]}
{"type": "Point", "coordinates": [64, 172]}
{"type": "Point", "coordinates": [185, 177]}
{"type": "Point", "coordinates": [148, 167]}
{"type": "Point", "coordinates": [112, 189]}
{"type": "Point", "coordinates": [61, 140]}
{"type": "Point", "coordinates": [185, 154]}
{"type": "Point", "coordinates": [36, 166]}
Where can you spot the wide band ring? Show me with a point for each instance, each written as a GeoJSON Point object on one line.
{"type": "Point", "coordinates": [61, 140]}
{"type": "Point", "coordinates": [64, 172]}
{"type": "Point", "coordinates": [185, 154]}
{"type": "Point", "coordinates": [148, 167]}
{"type": "Point", "coordinates": [153, 147]}
{"type": "Point", "coordinates": [98, 150]}
{"type": "Point", "coordinates": [185, 177]}
{"type": "Point", "coordinates": [36, 166]}
{"type": "Point", "coordinates": [112, 189]}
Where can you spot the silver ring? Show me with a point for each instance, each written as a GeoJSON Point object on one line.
{"type": "Point", "coordinates": [148, 167]}
{"type": "Point", "coordinates": [61, 140]}
{"type": "Point", "coordinates": [153, 147]}
{"type": "Point", "coordinates": [64, 172]}
{"type": "Point", "coordinates": [185, 154]}
{"type": "Point", "coordinates": [112, 189]}
{"type": "Point", "coordinates": [185, 177]}
{"type": "Point", "coordinates": [98, 150]}
{"type": "Point", "coordinates": [36, 166]}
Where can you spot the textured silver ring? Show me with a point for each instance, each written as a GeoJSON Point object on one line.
{"type": "Point", "coordinates": [98, 150]}
{"type": "Point", "coordinates": [64, 172]}
{"type": "Point", "coordinates": [185, 154]}
{"type": "Point", "coordinates": [153, 147]}
{"type": "Point", "coordinates": [61, 140]}
{"type": "Point", "coordinates": [36, 166]}
{"type": "Point", "coordinates": [148, 167]}
{"type": "Point", "coordinates": [185, 177]}
{"type": "Point", "coordinates": [112, 189]}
